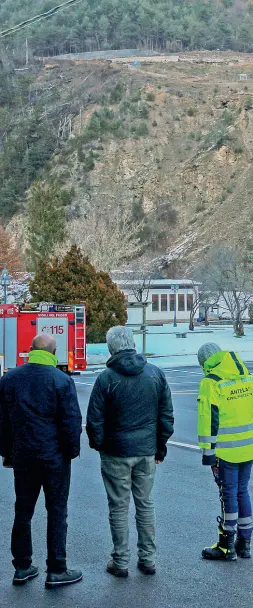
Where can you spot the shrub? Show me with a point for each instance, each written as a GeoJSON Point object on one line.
{"type": "Point", "coordinates": [200, 207]}
{"type": "Point", "coordinates": [191, 112]}
{"type": "Point", "coordinates": [140, 130]}
{"type": "Point", "coordinates": [136, 96]}
{"type": "Point", "coordinates": [150, 96]}
{"type": "Point", "coordinates": [230, 188]}
{"type": "Point", "coordinates": [117, 93]}
{"type": "Point", "coordinates": [238, 148]}
{"type": "Point", "coordinates": [227, 118]}
{"type": "Point", "coordinates": [154, 123]}
{"type": "Point", "coordinates": [101, 123]}
{"type": "Point", "coordinates": [248, 103]}
{"type": "Point", "coordinates": [143, 111]}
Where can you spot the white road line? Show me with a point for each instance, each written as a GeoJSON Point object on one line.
{"type": "Point", "coordinates": [182, 383]}
{"type": "Point", "coordinates": [185, 393]}
{"type": "Point", "coordinates": [190, 392]}
{"type": "Point", "coordinates": [176, 443]}
{"type": "Point", "coordinates": [184, 445]}
{"type": "Point", "coordinates": [183, 371]}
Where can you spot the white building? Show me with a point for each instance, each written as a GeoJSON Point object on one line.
{"type": "Point", "coordinates": [163, 295]}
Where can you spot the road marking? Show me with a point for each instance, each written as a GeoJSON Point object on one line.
{"type": "Point", "coordinates": [184, 371]}
{"type": "Point", "coordinates": [185, 393]}
{"type": "Point", "coordinates": [85, 383]}
{"type": "Point", "coordinates": [186, 382]}
{"type": "Point", "coordinates": [184, 445]}
{"type": "Point", "coordinates": [190, 392]}
{"type": "Point", "coordinates": [176, 443]}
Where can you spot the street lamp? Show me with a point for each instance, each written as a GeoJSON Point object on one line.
{"type": "Point", "coordinates": [175, 289]}
{"type": "Point", "coordinates": [5, 282]}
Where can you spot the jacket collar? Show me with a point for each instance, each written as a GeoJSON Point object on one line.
{"type": "Point", "coordinates": [42, 357]}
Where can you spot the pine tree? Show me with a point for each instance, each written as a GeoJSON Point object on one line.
{"type": "Point", "coordinates": [73, 280]}
{"type": "Point", "coordinates": [46, 222]}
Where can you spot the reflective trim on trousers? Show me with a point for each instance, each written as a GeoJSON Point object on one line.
{"type": "Point", "coordinates": [245, 520]}
{"type": "Point", "coordinates": [235, 429]}
{"type": "Point", "coordinates": [239, 443]}
{"type": "Point", "coordinates": [230, 516]}
{"type": "Point", "coordinates": [229, 528]}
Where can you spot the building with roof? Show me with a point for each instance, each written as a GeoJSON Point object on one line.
{"type": "Point", "coordinates": [164, 297]}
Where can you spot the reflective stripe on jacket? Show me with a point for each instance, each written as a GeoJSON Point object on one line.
{"type": "Point", "coordinates": [225, 410]}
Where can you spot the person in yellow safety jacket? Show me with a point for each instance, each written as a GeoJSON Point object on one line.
{"type": "Point", "coordinates": [225, 429]}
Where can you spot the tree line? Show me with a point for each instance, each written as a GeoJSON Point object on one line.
{"type": "Point", "coordinates": [151, 24]}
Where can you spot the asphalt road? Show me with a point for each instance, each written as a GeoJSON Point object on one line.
{"type": "Point", "coordinates": [186, 505]}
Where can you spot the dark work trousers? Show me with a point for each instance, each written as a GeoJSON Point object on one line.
{"type": "Point", "coordinates": [54, 478]}
{"type": "Point", "coordinates": [236, 511]}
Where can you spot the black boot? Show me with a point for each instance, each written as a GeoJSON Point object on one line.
{"type": "Point", "coordinates": [242, 547]}
{"type": "Point", "coordinates": [21, 576]}
{"type": "Point", "coordinates": [224, 549]}
{"type": "Point", "coordinates": [68, 577]}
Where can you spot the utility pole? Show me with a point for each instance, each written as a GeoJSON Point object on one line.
{"type": "Point", "coordinates": [175, 290]}
{"type": "Point", "coordinates": [26, 52]}
{"type": "Point", "coordinates": [144, 328]}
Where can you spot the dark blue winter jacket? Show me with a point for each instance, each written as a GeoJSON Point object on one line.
{"type": "Point", "coordinates": [40, 416]}
{"type": "Point", "coordinates": [130, 411]}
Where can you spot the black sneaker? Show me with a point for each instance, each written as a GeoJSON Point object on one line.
{"type": "Point", "coordinates": [146, 569]}
{"type": "Point", "coordinates": [22, 576]}
{"type": "Point", "coordinates": [68, 577]}
{"type": "Point", "coordinates": [113, 569]}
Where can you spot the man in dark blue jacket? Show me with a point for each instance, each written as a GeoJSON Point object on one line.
{"type": "Point", "coordinates": [129, 421]}
{"type": "Point", "coordinates": [40, 428]}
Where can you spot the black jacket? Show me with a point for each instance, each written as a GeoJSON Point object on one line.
{"type": "Point", "coordinates": [40, 416]}
{"type": "Point", "coordinates": [130, 411]}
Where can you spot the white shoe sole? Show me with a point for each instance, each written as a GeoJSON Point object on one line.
{"type": "Point", "coordinates": [23, 581]}
{"type": "Point", "coordinates": [49, 585]}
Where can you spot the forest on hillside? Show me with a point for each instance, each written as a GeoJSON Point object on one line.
{"type": "Point", "coordinates": [114, 24]}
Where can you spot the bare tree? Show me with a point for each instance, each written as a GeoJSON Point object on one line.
{"type": "Point", "coordinates": [206, 296]}
{"type": "Point", "coordinates": [11, 254]}
{"type": "Point", "coordinates": [109, 238]}
{"type": "Point", "coordinates": [194, 305]}
{"type": "Point", "coordinates": [139, 279]}
{"type": "Point", "coordinates": [228, 274]}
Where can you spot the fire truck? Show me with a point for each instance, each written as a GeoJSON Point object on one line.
{"type": "Point", "coordinates": [19, 325]}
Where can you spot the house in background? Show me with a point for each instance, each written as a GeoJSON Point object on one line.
{"type": "Point", "coordinates": [162, 295]}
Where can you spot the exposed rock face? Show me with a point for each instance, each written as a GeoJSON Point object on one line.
{"type": "Point", "coordinates": [196, 155]}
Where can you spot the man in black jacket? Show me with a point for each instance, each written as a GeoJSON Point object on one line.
{"type": "Point", "coordinates": [40, 428]}
{"type": "Point", "coordinates": [129, 421]}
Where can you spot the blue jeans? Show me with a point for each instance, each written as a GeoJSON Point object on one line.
{"type": "Point", "coordinates": [236, 511]}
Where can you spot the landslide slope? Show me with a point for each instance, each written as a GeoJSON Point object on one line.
{"type": "Point", "coordinates": [171, 142]}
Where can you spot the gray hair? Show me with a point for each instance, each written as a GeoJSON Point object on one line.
{"type": "Point", "coordinates": [119, 338]}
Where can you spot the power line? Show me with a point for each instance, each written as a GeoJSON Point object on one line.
{"type": "Point", "coordinates": [46, 15]}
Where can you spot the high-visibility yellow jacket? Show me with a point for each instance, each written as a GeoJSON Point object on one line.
{"type": "Point", "coordinates": [225, 410]}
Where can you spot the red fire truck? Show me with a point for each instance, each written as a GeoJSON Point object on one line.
{"type": "Point", "coordinates": [67, 324]}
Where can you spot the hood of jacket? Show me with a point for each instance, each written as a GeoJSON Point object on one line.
{"type": "Point", "coordinates": [226, 365]}
{"type": "Point", "coordinates": [127, 363]}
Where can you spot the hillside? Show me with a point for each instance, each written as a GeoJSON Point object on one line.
{"type": "Point", "coordinates": [153, 24]}
{"type": "Point", "coordinates": [172, 142]}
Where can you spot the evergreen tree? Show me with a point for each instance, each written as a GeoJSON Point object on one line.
{"type": "Point", "coordinates": [46, 222]}
{"type": "Point", "coordinates": [73, 280]}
